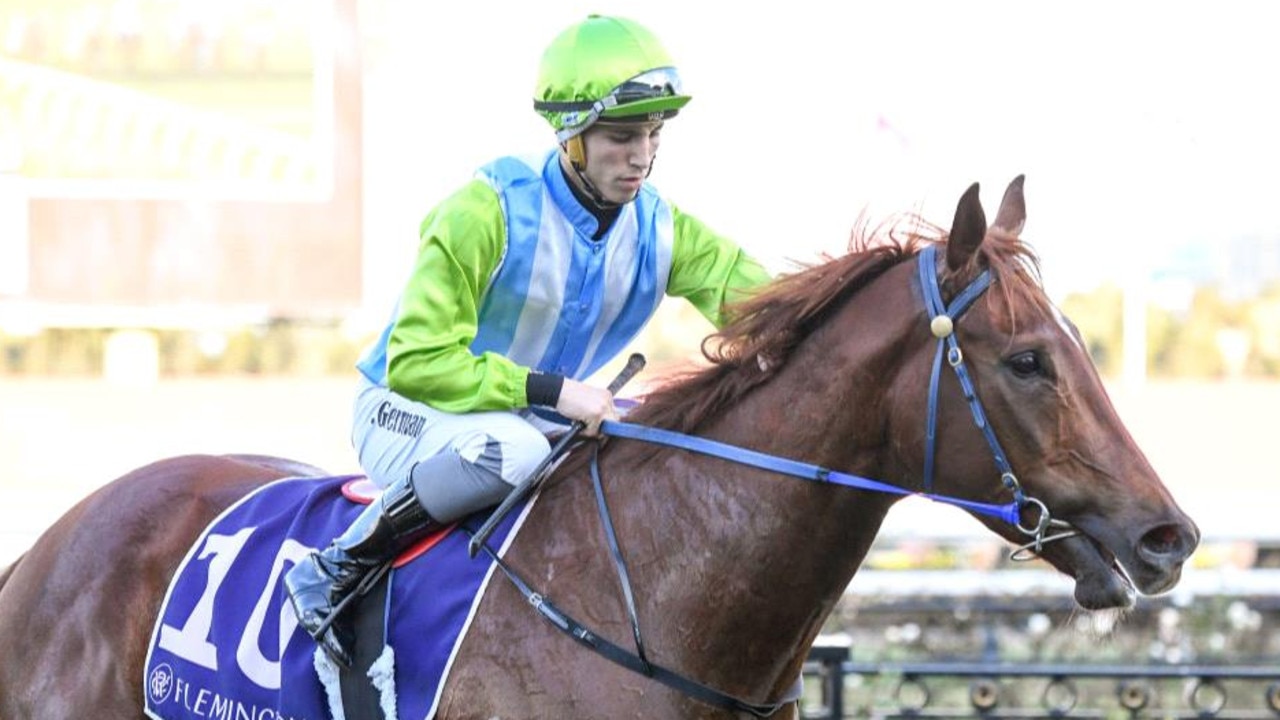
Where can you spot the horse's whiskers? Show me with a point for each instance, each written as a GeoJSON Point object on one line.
{"type": "Point", "coordinates": [1098, 624]}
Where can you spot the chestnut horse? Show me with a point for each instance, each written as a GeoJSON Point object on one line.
{"type": "Point", "coordinates": [734, 567]}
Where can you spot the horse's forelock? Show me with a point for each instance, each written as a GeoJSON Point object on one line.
{"type": "Point", "coordinates": [1015, 268]}
{"type": "Point", "coordinates": [766, 328]}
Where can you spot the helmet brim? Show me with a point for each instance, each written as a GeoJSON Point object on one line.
{"type": "Point", "coordinates": [650, 106]}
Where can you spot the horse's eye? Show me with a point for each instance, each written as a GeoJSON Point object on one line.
{"type": "Point", "coordinates": [1026, 364]}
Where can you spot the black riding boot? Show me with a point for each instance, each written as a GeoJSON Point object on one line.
{"type": "Point", "coordinates": [318, 584]}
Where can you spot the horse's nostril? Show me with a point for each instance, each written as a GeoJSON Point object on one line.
{"type": "Point", "coordinates": [1170, 542]}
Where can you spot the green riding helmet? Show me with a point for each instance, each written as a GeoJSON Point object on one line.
{"type": "Point", "coordinates": [605, 67]}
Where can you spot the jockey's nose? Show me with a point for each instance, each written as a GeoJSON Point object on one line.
{"type": "Point", "coordinates": [641, 154]}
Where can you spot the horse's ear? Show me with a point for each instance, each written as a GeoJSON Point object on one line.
{"type": "Point", "coordinates": [1013, 208]}
{"type": "Point", "coordinates": [967, 230]}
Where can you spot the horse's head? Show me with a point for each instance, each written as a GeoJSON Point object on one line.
{"type": "Point", "coordinates": [838, 365]}
{"type": "Point", "coordinates": [1051, 415]}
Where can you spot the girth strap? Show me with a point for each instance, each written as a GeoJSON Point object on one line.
{"type": "Point", "coordinates": [631, 661]}
{"type": "Point", "coordinates": [636, 662]}
{"type": "Point", "coordinates": [619, 564]}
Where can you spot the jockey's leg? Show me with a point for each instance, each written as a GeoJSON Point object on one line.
{"type": "Point", "coordinates": [447, 484]}
{"type": "Point", "coordinates": [471, 462]}
{"type": "Point", "coordinates": [454, 487]}
{"type": "Point", "coordinates": [319, 583]}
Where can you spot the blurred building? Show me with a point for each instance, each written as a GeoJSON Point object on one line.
{"type": "Point", "coordinates": [166, 163]}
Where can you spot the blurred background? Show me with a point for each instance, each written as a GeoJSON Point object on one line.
{"type": "Point", "coordinates": [207, 209]}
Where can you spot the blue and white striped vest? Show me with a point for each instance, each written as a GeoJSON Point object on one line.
{"type": "Point", "coordinates": [591, 297]}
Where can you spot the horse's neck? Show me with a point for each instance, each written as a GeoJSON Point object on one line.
{"type": "Point", "coordinates": [735, 569]}
{"type": "Point", "coordinates": [829, 404]}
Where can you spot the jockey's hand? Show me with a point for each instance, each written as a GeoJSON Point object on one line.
{"type": "Point", "coordinates": [592, 405]}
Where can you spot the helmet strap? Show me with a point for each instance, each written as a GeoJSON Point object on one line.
{"type": "Point", "coordinates": [577, 152]}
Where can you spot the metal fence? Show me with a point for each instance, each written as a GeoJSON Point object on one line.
{"type": "Point", "coordinates": [1002, 690]}
{"type": "Point", "coordinates": [911, 653]}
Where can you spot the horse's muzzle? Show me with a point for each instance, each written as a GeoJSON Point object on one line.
{"type": "Point", "coordinates": [1162, 550]}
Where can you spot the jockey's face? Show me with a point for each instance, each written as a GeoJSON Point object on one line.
{"type": "Point", "coordinates": [619, 155]}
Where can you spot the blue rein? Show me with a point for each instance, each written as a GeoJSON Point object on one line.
{"type": "Point", "coordinates": [942, 318]}
{"type": "Point", "coordinates": [733, 453]}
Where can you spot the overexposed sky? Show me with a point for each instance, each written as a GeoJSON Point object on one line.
{"type": "Point", "coordinates": [1140, 125]}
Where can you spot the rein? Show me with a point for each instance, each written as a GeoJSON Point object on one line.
{"type": "Point", "coordinates": [942, 318]}
{"type": "Point", "coordinates": [1007, 512]}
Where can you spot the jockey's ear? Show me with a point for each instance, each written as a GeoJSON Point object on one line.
{"type": "Point", "coordinates": [967, 230]}
{"type": "Point", "coordinates": [1012, 215]}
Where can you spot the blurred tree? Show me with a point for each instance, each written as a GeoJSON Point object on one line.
{"type": "Point", "coordinates": [1162, 335]}
{"type": "Point", "coordinates": [1193, 349]}
{"type": "Point", "coordinates": [1099, 315]}
{"type": "Point", "coordinates": [1213, 338]}
{"type": "Point", "coordinates": [1263, 321]}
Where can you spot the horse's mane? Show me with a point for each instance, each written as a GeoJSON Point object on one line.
{"type": "Point", "coordinates": [768, 325]}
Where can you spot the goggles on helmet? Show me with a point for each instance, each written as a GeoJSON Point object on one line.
{"type": "Point", "coordinates": [656, 83]}
{"type": "Point", "coordinates": [655, 93]}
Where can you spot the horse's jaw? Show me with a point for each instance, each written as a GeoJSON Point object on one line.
{"type": "Point", "coordinates": [1101, 583]}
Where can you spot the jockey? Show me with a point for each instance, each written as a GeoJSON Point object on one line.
{"type": "Point", "coordinates": [528, 279]}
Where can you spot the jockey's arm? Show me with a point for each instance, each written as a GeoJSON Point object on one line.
{"type": "Point", "coordinates": [428, 353]}
{"type": "Point", "coordinates": [709, 270]}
